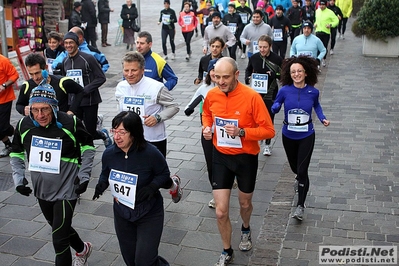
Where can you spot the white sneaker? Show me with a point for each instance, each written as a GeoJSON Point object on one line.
{"type": "Point", "coordinates": [187, 57]}
{"type": "Point", "coordinates": [323, 63]}
{"type": "Point", "coordinates": [343, 37]}
{"type": "Point", "coordinates": [173, 57]}
{"type": "Point", "coordinates": [267, 151]}
{"type": "Point", "coordinates": [100, 119]}
{"type": "Point", "coordinates": [340, 36]}
{"type": "Point", "coordinates": [165, 57]}
{"type": "Point", "coordinates": [331, 52]}
{"type": "Point", "coordinates": [243, 56]}
{"type": "Point", "coordinates": [212, 204]}
{"type": "Point", "coordinates": [318, 68]}
{"type": "Point", "coordinates": [81, 260]}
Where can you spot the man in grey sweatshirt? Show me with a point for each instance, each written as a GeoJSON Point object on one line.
{"type": "Point", "coordinates": [253, 31]}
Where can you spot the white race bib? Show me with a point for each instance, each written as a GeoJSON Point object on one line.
{"type": "Point", "coordinates": [296, 117]}
{"type": "Point", "coordinates": [123, 187]}
{"type": "Point", "coordinates": [166, 19]}
{"type": "Point", "coordinates": [255, 47]}
{"type": "Point", "coordinates": [259, 82]}
{"type": "Point", "coordinates": [49, 63]}
{"type": "Point", "coordinates": [76, 75]}
{"type": "Point", "coordinates": [134, 104]}
{"type": "Point", "coordinates": [45, 155]}
{"type": "Point", "coordinates": [232, 27]}
{"type": "Point", "coordinates": [244, 17]}
{"type": "Point", "coordinates": [278, 34]}
{"type": "Point", "coordinates": [223, 139]}
{"type": "Point", "coordinates": [187, 20]}
{"type": "Point", "coordinates": [305, 53]}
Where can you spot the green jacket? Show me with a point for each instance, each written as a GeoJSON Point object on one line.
{"type": "Point", "coordinates": [323, 18]}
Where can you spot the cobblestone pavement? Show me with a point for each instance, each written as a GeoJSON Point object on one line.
{"type": "Point", "coordinates": [353, 197]}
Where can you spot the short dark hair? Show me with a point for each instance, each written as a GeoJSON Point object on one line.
{"type": "Point", "coordinates": [54, 35]}
{"type": "Point", "coordinates": [34, 59]}
{"type": "Point", "coordinates": [309, 64]}
{"type": "Point", "coordinates": [266, 38]}
{"type": "Point", "coordinates": [146, 35]}
{"type": "Point", "coordinates": [133, 124]}
{"type": "Point", "coordinates": [217, 39]}
{"type": "Point", "coordinates": [259, 12]}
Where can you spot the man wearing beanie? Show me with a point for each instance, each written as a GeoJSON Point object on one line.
{"type": "Point", "coordinates": [84, 69]}
{"type": "Point", "coordinates": [296, 15]}
{"type": "Point", "coordinates": [325, 21]}
{"type": "Point", "coordinates": [233, 21]}
{"type": "Point", "coordinates": [8, 76]}
{"type": "Point", "coordinates": [217, 29]}
{"type": "Point", "coordinates": [308, 44]}
{"type": "Point", "coordinates": [60, 154]}
{"type": "Point", "coordinates": [281, 27]}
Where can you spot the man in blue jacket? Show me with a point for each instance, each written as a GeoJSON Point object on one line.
{"type": "Point", "coordinates": [155, 66]}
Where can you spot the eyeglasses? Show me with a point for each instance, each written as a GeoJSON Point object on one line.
{"type": "Point", "coordinates": [299, 71]}
{"type": "Point", "coordinates": [44, 110]}
{"type": "Point", "coordinates": [120, 132]}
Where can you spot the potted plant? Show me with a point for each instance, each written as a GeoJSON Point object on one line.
{"type": "Point", "coordinates": [378, 24]}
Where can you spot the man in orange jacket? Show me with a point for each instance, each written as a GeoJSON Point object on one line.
{"type": "Point", "coordinates": [8, 75]}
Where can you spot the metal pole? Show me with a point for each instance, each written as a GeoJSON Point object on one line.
{"type": "Point", "coordinates": [138, 11]}
{"type": "Point", "coordinates": [4, 47]}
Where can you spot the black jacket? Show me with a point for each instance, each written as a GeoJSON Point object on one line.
{"type": "Point", "coordinates": [89, 13]}
{"type": "Point", "coordinates": [75, 19]}
{"type": "Point", "coordinates": [234, 20]}
{"type": "Point", "coordinates": [282, 23]}
{"type": "Point", "coordinates": [103, 11]}
{"type": "Point", "coordinates": [128, 20]}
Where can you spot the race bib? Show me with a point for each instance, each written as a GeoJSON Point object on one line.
{"type": "Point", "coordinates": [187, 20]}
{"type": "Point", "coordinates": [278, 34]}
{"type": "Point", "coordinates": [165, 19]}
{"type": "Point", "coordinates": [259, 82]}
{"type": "Point", "coordinates": [224, 139]}
{"type": "Point", "coordinates": [305, 53]}
{"type": "Point", "coordinates": [297, 117]}
{"type": "Point", "coordinates": [45, 155]}
{"type": "Point", "coordinates": [244, 17]}
{"type": "Point", "coordinates": [255, 47]}
{"type": "Point", "coordinates": [123, 187]}
{"type": "Point", "coordinates": [134, 104]}
{"type": "Point", "coordinates": [232, 27]}
{"type": "Point", "coordinates": [76, 75]}
{"type": "Point", "coordinates": [49, 65]}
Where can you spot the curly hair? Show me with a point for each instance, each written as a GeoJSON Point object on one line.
{"type": "Point", "coordinates": [309, 64]}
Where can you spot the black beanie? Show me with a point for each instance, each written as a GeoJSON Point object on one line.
{"type": "Point", "coordinates": [73, 36]}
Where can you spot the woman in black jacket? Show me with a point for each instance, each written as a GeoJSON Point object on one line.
{"type": "Point", "coordinates": [129, 15]}
{"type": "Point", "coordinates": [103, 18]}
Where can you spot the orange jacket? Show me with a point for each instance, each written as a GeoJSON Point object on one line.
{"type": "Point", "coordinates": [187, 21]}
{"type": "Point", "coordinates": [7, 72]}
{"type": "Point", "coordinates": [245, 105]}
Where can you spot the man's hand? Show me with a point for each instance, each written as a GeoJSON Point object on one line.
{"type": "Point", "coordinates": [232, 130]}
{"type": "Point", "coordinates": [197, 81]}
{"type": "Point", "coordinates": [204, 50]}
{"type": "Point", "coordinates": [207, 133]}
{"type": "Point", "coordinates": [149, 120]}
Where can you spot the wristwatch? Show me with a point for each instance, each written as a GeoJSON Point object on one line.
{"type": "Point", "coordinates": [158, 118]}
{"type": "Point", "coordinates": [241, 133]}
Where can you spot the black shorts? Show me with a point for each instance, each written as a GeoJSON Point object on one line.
{"type": "Point", "coordinates": [226, 167]}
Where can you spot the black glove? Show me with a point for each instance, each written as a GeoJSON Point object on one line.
{"type": "Point", "coordinates": [147, 192]}
{"type": "Point", "coordinates": [318, 61]}
{"type": "Point", "coordinates": [23, 189]}
{"type": "Point", "coordinates": [188, 111]}
{"type": "Point", "coordinates": [100, 188]}
{"type": "Point", "coordinates": [82, 187]}
{"type": "Point", "coordinates": [247, 81]}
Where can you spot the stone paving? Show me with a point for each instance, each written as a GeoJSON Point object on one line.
{"type": "Point", "coordinates": [353, 198]}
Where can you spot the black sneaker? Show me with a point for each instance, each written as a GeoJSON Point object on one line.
{"type": "Point", "coordinates": [225, 259]}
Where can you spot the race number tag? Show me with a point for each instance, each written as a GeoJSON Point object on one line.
{"type": "Point", "coordinates": [123, 187]}
{"type": "Point", "coordinates": [305, 53]}
{"type": "Point", "coordinates": [232, 27]}
{"type": "Point", "coordinates": [49, 63]}
{"type": "Point", "coordinates": [45, 155]}
{"type": "Point", "coordinates": [187, 20]}
{"type": "Point", "coordinates": [223, 139]}
{"type": "Point", "coordinates": [278, 34]}
{"type": "Point", "coordinates": [244, 17]}
{"type": "Point", "coordinates": [296, 117]}
{"type": "Point", "coordinates": [134, 104]}
{"type": "Point", "coordinates": [255, 47]}
{"type": "Point", "coordinates": [259, 82]}
{"type": "Point", "coordinates": [76, 75]}
{"type": "Point", "coordinates": [166, 19]}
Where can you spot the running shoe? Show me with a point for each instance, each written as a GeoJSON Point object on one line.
{"type": "Point", "coordinates": [212, 204]}
{"type": "Point", "coordinates": [235, 184]}
{"type": "Point", "coordinates": [331, 52]}
{"type": "Point", "coordinates": [243, 56]}
{"type": "Point", "coordinates": [225, 259]}
{"type": "Point", "coordinates": [165, 57]}
{"type": "Point", "coordinates": [100, 120]}
{"type": "Point", "coordinates": [246, 242]}
{"type": "Point", "coordinates": [173, 57]}
{"type": "Point", "coordinates": [267, 151]}
{"type": "Point", "coordinates": [108, 139]}
{"type": "Point", "coordinates": [178, 193]}
{"type": "Point", "coordinates": [298, 214]}
{"type": "Point", "coordinates": [81, 260]}
{"type": "Point", "coordinates": [323, 62]}
{"type": "Point", "coordinates": [5, 152]}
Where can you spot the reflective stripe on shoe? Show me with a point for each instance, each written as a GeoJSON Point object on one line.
{"type": "Point", "coordinates": [178, 193]}
{"type": "Point", "coordinates": [212, 204]}
{"type": "Point", "coordinates": [81, 260]}
{"type": "Point", "coordinates": [225, 259]}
